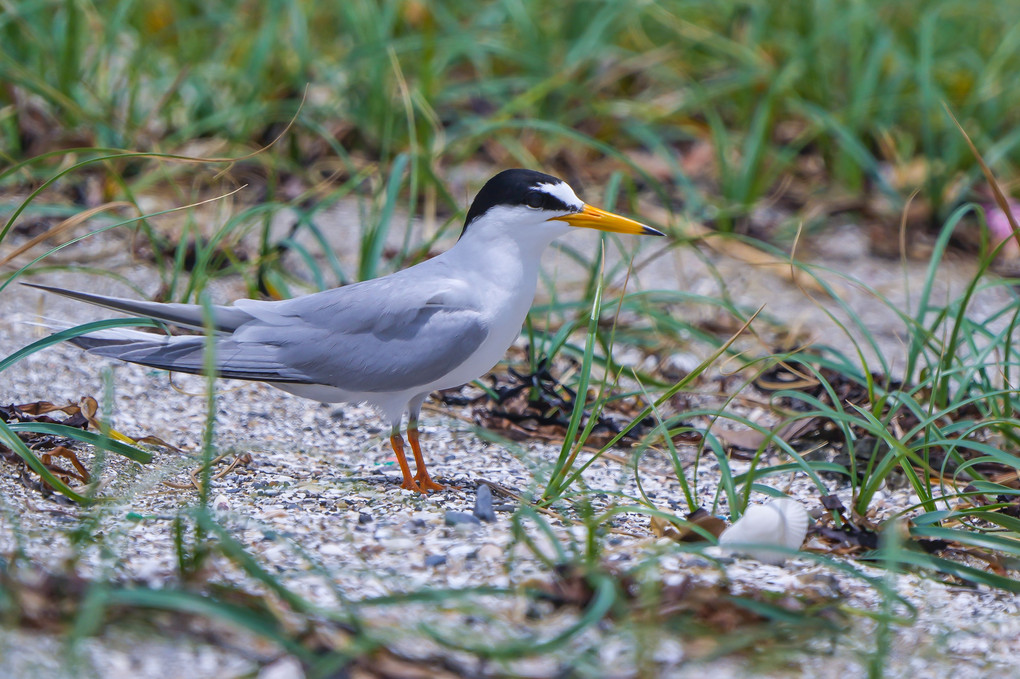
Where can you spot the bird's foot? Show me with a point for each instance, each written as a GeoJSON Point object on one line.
{"type": "Point", "coordinates": [422, 485]}
{"type": "Point", "coordinates": [425, 484]}
{"type": "Point", "coordinates": [411, 484]}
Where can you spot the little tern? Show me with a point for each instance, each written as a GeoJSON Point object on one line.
{"type": "Point", "coordinates": [389, 341]}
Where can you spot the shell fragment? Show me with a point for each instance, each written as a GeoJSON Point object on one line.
{"type": "Point", "coordinates": [762, 529]}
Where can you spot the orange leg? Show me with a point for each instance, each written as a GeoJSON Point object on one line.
{"type": "Point", "coordinates": [398, 448]}
{"type": "Point", "coordinates": [425, 484]}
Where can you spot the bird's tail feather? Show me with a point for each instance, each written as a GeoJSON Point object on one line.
{"type": "Point", "coordinates": [225, 318]}
{"type": "Point", "coordinates": [177, 353]}
{"type": "Point", "coordinates": [186, 353]}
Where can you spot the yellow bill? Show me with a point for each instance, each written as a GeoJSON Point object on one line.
{"type": "Point", "coordinates": [594, 218]}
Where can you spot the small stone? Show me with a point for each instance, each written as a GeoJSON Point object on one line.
{"type": "Point", "coordinates": [454, 518]}
{"type": "Point", "coordinates": [221, 503]}
{"type": "Point", "coordinates": [364, 517]}
{"type": "Point", "coordinates": [285, 668]}
{"type": "Point", "coordinates": [483, 504]}
{"type": "Point", "coordinates": [399, 544]}
{"type": "Point", "coordinates": [433, 560]}
{"type": "Point", "coordinates": [489, 552]}
{"type": "Point", "coordinates": [334, 549]}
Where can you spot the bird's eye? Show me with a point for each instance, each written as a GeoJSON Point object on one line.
{"type": "Point", "coordinates": [534, 200]}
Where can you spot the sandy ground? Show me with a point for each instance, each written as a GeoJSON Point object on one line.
{"type": "Point", "coordinates": [320, 505]}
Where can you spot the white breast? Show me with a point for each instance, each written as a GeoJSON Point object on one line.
{"type": "Point", "coordinates": [505, 326]}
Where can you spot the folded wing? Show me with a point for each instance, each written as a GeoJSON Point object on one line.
{"type": "Point", "coordinates": [380, 335]}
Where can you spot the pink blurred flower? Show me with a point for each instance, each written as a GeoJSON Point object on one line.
{"type": "Point", "coordinates": [1000, 229]}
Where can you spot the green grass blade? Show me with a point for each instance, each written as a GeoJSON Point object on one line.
{"type": "Point", "coordinates": [92, 438]}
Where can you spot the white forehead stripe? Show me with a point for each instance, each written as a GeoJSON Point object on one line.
{"type": "Point", "coordinates": [563, 192]}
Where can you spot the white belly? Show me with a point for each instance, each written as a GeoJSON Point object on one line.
{"type": "Point", "coordinates": [504, 331]}
{"type": "Point", "coordinates": [508, 294]}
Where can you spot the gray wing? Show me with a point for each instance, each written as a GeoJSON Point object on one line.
{"type": "Point", "coordinates": [387, 334]}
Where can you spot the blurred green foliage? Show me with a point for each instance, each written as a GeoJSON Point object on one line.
{"type": "Point", "coordinates": [859, 83]}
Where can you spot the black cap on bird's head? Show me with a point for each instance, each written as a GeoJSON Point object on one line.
{"type": "Point", "coordinates": [517, 188]}
{"type": "Point", "coordinates": [539, 191]}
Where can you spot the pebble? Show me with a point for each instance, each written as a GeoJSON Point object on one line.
{"type": "Point", "coordinates": [287, 667]}
{"type": "Point", "coordinates": [334, 549]}
{"type": "Point", "coordinates": [433, 560]}
{"type": "Point", "coordinates": [399, 544]}
{"type": "Point", "coordinates": [454, 518]}
{"type": "Point", "coordinates": [483, 504]}
{"type": "Point", "coordinates": [489, 552]}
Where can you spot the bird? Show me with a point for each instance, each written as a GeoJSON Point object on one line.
{"type": "Point", "coordinates": [388, 341]}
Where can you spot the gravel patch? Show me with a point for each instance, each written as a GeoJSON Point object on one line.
{"type": "Point", "coordinates": [319, 504]}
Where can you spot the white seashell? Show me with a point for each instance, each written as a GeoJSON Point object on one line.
{"type": "Point", "coordinates": [781, 523]}
{"type": "Point", "coordinates": [796, 521]}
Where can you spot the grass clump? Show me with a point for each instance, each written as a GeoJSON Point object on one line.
{"type": "Point", "coordinates": [856, 89]}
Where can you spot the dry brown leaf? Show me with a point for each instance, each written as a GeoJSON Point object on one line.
{"type": "Point", "coordinates": [744, 439]}
{"type": "Point", "coordinates": [63, 226]}
{"type": "Point", "coordinates": [686, 533]}
{"type": "Point", "coordinates": [730, 247]}
{"type": "Point", "coordinates": [82, 474]}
